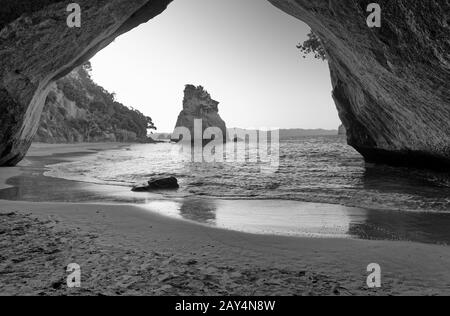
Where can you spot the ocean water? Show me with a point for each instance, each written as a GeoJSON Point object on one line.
{"type": "Point", "coordinates": [311, 169]}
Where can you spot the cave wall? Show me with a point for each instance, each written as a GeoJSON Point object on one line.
{"type": "Point", "coordinates": [390, 85]}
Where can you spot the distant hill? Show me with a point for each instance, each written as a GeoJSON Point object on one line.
{"type": "Point", "coordinates": [161, 136]}
{"type": "Point", "coordinates": [293, 133]}
{"type": "Point", "coordinates": [79, 110]}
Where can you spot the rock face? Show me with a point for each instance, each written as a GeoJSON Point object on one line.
{"type": "Point", "coordinates": [58, 111]}
{"type": "Point", "coordinates": [198, 104]}
{"type": "Point", "coordinates": [342, 130]}
{"type": "Point", "coordinates": [391, 84]}
{"type": "Point", "coordinates": [79, 110]}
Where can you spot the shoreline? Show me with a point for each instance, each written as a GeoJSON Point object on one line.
{"type": "Point", "coordinates": [256, 216]}
{"type": "Point", "coordinates": [148, 253]}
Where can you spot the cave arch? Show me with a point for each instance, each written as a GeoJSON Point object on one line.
{"type": "Point", "coordinates": [390, 85]}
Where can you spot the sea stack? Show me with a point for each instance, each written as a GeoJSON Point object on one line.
{"type": "Point", "coordinates": [198, 105]}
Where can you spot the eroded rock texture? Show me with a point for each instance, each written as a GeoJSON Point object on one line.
{"type": "Point", "coordinates": [342, 130]}
{"type": "Point", "coordinates": [37, 47]}
{"type": "Point", "coordinates": [198, 105]}
{"type": "Point", "coordinates": [391, 85]}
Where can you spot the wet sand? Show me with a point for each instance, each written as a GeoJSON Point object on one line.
{"type": "Point", "coordinates": [273, 217]}
{"type": "Point", "coordinates": [313, 220]}
{"type": "Point", "coordinates": [125, 249]}
{"type": "Point", "coordinates": [7, 173]}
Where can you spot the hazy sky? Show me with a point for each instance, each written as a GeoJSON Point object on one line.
{"type": "Point", "coordinates": [242, 51]}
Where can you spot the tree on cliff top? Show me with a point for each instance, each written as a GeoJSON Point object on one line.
{"type": "Point", "coordinates": [313, 45]}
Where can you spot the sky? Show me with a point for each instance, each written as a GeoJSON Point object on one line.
{"type": "Point", "coordinates": [242, 51]}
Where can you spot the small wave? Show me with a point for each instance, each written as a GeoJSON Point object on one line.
{"type": "Point", "coordinates": [311, 170]}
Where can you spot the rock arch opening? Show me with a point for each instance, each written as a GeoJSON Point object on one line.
{"type": "Point", "coordinates": [391, 85]}
{"type": "Point", "coordinates": [253, 69]}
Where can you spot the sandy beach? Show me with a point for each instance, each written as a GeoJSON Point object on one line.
{"type": "Point", "coordinates": [125, 249]}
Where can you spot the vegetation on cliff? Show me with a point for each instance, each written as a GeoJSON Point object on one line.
{"type": "Point", "coordinates": [313, 45]}
{"type": "Point", "coordinates": [77, 110]}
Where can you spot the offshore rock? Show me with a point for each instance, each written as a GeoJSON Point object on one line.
{"type": "Point", "coordinates": [198, 105]}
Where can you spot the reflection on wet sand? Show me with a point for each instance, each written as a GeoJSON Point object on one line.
{"type": "Point", "coordinates": [278, 217]}
{"type": "Point", "coordinates": [199, 210]}
{"type": "Point", "coordinates": [420, 183]}
{"type": "Point", "coordinates": [33, 187]}
{"type": "Point", "coordinates": [291, 218]}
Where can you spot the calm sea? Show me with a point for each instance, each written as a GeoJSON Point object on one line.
{"type": "Point", "coordinates": [311, 169]}
{"type": "Point", "coordinates": [319, 187]}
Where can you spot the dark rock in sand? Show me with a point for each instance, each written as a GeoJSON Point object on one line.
{"type": "Point", "coordinates": [164, 183]}
{"type": "Point", "coordinates": [170, 183]}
